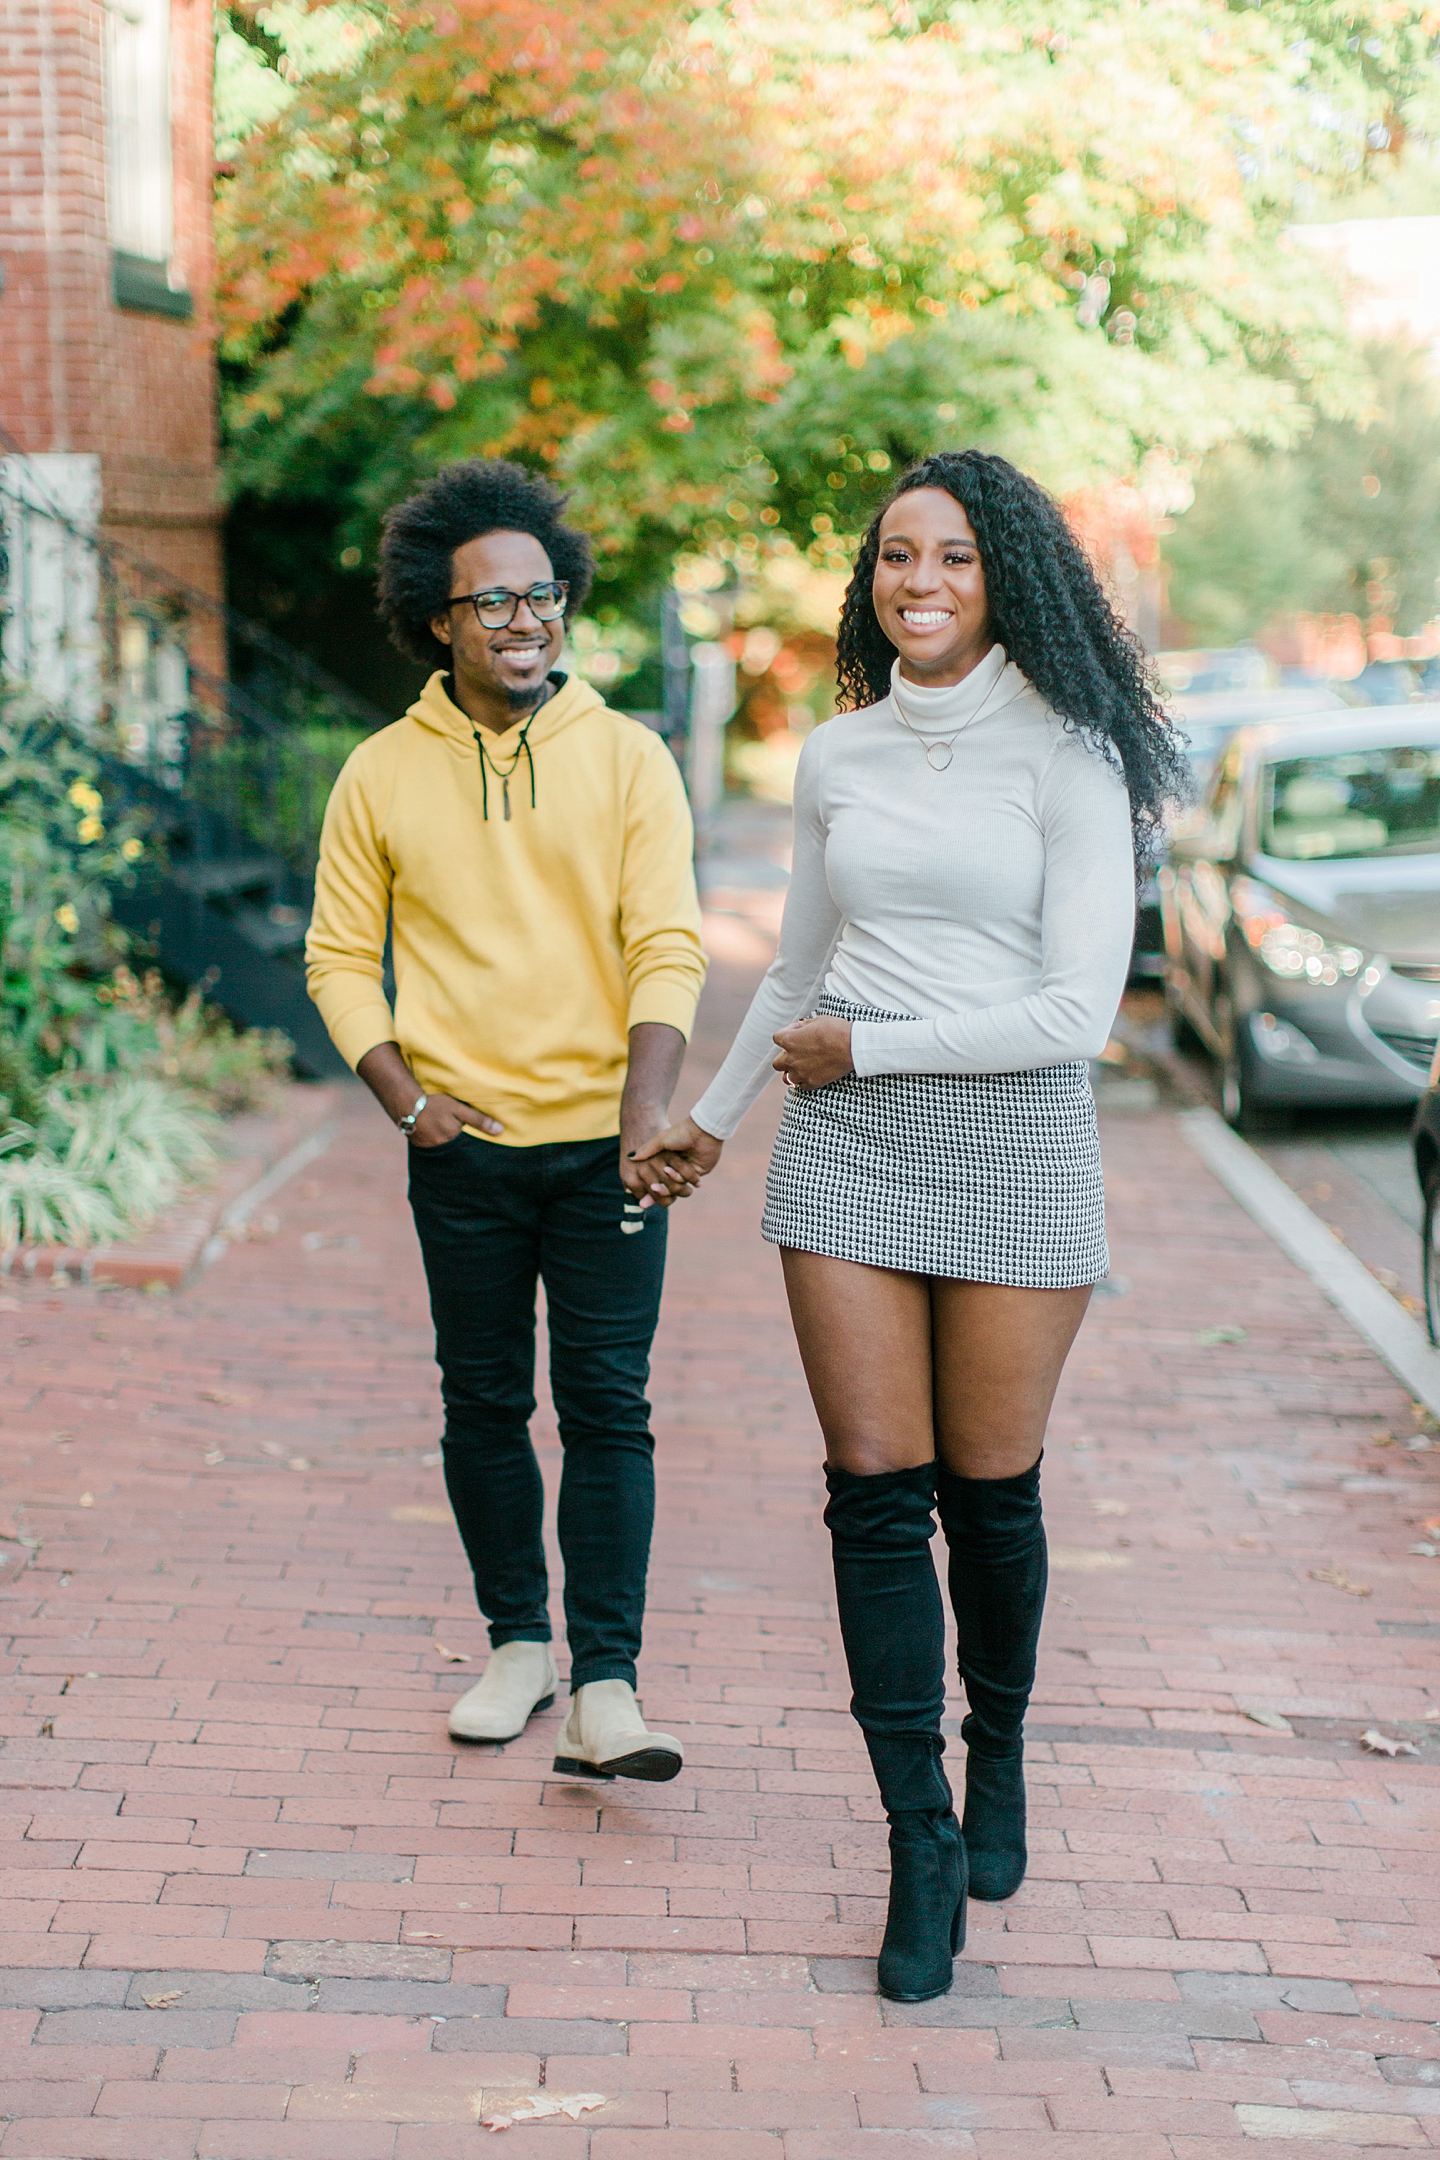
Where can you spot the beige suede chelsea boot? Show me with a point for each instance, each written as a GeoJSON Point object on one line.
{"type": "Point", "coordinates": [605, 1736]}
{"type": "Point", "coordinates": [519, 1679]}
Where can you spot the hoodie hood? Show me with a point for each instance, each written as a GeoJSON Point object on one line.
{"type": "Point", "coordinates": [435, 710]}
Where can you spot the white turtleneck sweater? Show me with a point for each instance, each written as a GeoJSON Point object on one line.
{"type": "Point", "coordinates": [993, 902]}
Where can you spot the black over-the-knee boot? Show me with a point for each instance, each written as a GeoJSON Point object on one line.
{"type": "Point", "coordinates": [998, 1572]}
{"type": "Point", "coordinates": [893, 1625]}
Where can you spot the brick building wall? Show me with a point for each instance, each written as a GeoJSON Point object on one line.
{"type": "Point", "coordinates": [79, 371]}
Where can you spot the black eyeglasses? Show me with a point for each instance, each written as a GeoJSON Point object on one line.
{"type": "Point", "coordinates": [497, 608]}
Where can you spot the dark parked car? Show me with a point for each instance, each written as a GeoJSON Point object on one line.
{"type": "Point", "coordinates": [1209, 720]}
{"type": "Point", "coordinates": [1427, 1169]}
{"type": "Point", "coordinates": [1301, 910]}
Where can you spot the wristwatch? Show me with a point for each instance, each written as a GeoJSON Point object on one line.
{"type": "Point", "coordinates": [407, 1123]}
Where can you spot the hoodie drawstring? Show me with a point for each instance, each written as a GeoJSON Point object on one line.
{"type": "Point", "coordinates": [503, 774]}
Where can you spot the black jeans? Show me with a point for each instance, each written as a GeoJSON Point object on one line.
{"type": "Point", "coordinates": [492, 1222]}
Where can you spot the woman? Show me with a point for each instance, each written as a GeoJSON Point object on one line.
{"type": "Point", "coordinates": [958, 929]}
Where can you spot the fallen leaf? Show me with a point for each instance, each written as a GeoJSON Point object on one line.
{"type": "Point", "coordinates": [1382, 1439]}
{"type": "Point", "coordinates": [421, 1935]}
{"type": "Point", "coordinates": [271, 1447]}
{"type": "Point", "coordinates": [214, 1456]}
{"type": "Point", "coordinates": [1341, 1581]}
{"type": "Point", "coordinates": [87, 1499]}
{"type": "Point", "coordinates": [535, 2107]}
{"type": "Point", "coordinates": [1209, 1336]}
{"type": "Point", "coordinates": [299, 1462]}
{"type": "Point", "coordinates": [1424, 1552]}
{"type": "Point", "coordinates": [428, 1512]}
{"type": "Point", "coordinates": [1430, 1714]}
{"type": "Point", "coordinates": [1083, 1560]}
{"type": "Point", "coordinates": [452, 1657]}
{"type": "Point", "coordinates": [1380, 1743]}
{"type": "Point", "coordinates": [163, 2002]}
{"type": "Point", "coordinates": [1270, 1719]}
{"type": "Point", "coordinates": [218, 1395]}
{"type": "Point", "coordinates": [1111, 1507]}
{"type": "Point", "coordinates": [1432, 1528]}
{"type": "Point", "coordinates": [1245, 1538]}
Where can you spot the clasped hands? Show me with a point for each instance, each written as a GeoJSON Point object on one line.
{"type": "Point", "coordinates": [812, 1054]}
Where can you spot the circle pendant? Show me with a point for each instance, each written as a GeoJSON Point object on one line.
{"type": "Point", "coordinates": [939, 756]}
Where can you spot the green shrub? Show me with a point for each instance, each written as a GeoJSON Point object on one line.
{"type": "Point", "coordinates": [99, 1163]}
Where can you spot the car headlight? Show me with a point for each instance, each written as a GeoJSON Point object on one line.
{"type": "Point", "coordinates": [1287, 948]}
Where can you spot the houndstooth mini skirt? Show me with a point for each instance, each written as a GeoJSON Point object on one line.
{"type": "Point", "coordinates": [989, 1177]}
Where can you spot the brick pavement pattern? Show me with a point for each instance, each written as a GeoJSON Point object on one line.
{"type": "Point", "coordinates": [257, 1906]}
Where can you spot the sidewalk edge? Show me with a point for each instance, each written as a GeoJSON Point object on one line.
{"type": "Point", "coordinates": [1313, 1246]}
{"type": "Point", "coordinates": [235, 1218]}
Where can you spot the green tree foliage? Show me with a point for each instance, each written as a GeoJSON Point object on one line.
{"type": "Point", "coordinates": [1346, 523]}
{"type": "Point", "coordinates": [723, 268]}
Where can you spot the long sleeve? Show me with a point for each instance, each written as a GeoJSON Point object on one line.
{"type": "Point", "coordinates": [808, 932]}
{"type": "Point", "coordinates": [659, 907]}
{"type": "Point", "coordinates": [1087, 929]}
{"type": "Point", "coordinates": [345, 949]}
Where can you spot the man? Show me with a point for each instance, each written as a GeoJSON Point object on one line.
{"type": "Point", "coordinates": [532, 853]}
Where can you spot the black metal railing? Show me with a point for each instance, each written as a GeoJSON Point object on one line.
{"type": "Point", "coordinates": [231, 763]}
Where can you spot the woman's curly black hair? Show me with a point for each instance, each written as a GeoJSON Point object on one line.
{"type": "Point", "coordinates": [463, 501]}
{"type": "Point", "coordinates": [1048, 610]}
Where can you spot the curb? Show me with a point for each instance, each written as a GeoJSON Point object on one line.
{"type": "Point", "coordinates": [1313, 1246]}
{"type": "Point", "coordinates": [191, 1235]}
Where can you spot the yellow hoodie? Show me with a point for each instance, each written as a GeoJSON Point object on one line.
{"type": "Point", "coordinates": [524, 948]}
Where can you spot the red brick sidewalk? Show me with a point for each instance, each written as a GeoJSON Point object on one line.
{"type": "Point", "coordinates": [257, 1906]}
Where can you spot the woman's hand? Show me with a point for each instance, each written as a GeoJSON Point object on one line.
{"type": "Point", "coordinates": [814, 1052]}
{"type": "Point", "coordinates": [669, 1167]}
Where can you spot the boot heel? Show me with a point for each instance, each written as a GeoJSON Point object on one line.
{"type": "Point", "coordinates": [957, 1926]}
{"type": "Point", "coordinates": [574, 1766]}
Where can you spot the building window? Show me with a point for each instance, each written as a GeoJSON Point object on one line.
{"type": "Point", "coordinates": [138, 152]}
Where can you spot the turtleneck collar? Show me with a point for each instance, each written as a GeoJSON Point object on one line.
{"type": "Point", "coordinates": [946, 711]}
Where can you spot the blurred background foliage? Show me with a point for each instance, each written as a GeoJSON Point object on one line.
{"type": "Point", "coordinates": [724, 270]}
{"type": "Point", "coordinates": [1346, 523]}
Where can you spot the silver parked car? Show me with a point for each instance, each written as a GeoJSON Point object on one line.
{"type": "Point", "coordinates": [1210, 719]}
{"type": "Point", "coordinates": [1301, 910]}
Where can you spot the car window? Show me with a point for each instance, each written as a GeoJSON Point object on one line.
{"type": "Point", "coordinates": [1353, 802]}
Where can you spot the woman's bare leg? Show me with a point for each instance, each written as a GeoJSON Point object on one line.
{"type": "Point", "coordinates": [997, 1356]}
{"type": "Point", "coordinates": [864, 1336]}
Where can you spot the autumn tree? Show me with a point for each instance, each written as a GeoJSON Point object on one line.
{"type": "Point", "coordinates": [722, 269]}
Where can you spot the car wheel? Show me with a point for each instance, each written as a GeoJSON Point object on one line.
{"type": "Point", "coordinates": [1239, 1104]}
{"type": "Point", "coordinates": [1430, 1255]}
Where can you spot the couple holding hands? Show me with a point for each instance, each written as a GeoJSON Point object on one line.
{"type": "Point", "coordinates": [955, 943]}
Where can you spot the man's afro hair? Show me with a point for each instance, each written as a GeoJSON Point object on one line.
{"type": "Point", "coordinates": [462, 502]}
